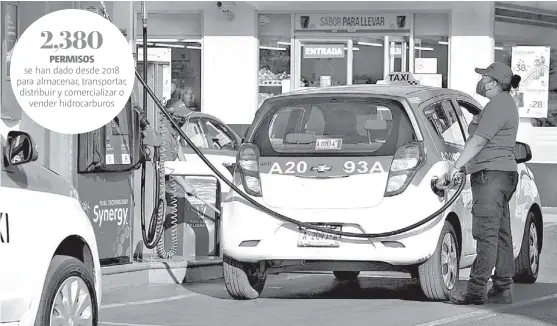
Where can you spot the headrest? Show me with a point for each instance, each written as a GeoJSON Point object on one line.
{"type": "Point", "coordinates": [375, 125]}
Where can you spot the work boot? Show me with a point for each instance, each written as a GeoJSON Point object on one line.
{"type": "Point", "coordinates": [463, 297]}
{"type": "Point", "coordinates": [498, 295]}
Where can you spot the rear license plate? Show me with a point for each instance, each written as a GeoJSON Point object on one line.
{"type": "Point", "coordinates": [328, 144]}
{"type": "Point", "coordinates": [313, 238]}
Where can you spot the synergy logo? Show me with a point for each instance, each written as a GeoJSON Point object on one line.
{"type": "Point", "coordinates": [111, 211]}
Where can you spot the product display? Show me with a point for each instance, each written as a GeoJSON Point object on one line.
{"type": "Point", "coordinates": [362, 79]}
{"type": "Point", "coordinates": [268, 78]}
{"type": "Point", "coordinates": [270, 84]}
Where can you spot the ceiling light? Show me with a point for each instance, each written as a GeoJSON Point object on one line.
{"type": "Point", "coordinates": [194, 47]}
{"type": "Point", "coordinates": [272, 48]}
{"type": "Point", "coordinates": [162, 40]}
{"type": "Point", "coordinates": [191, 41]}
{"type": "Point", "coordinates": [423, 49]}
{"type": "Point", "coordinates": [370, 44]}
{"type": "Point", "coordinates": [443, 42]}
{"type": "Point", "coordinates": [170, 45]}
{"type": "Point", "coordinates": [498, 48]}
{"type": "Point", "coordinates": [284, 43]}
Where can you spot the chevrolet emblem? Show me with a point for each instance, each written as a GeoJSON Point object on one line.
{"type": "Point", "coordinates": [321, 168]}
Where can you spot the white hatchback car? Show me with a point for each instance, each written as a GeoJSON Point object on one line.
{"type": "Point", "coordinates": [361, 159]}
{"type": "Point", "coordinates": [50, 273]}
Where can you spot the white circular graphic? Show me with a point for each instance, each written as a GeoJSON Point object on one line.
{"type": "Point", "coordinates": [72, 71]}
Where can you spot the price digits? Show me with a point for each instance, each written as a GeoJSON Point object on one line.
{"type": "Point", "coordinates": [520, 67]}
{"type": "Point", "coordinates": [79, 40]}
{"type": "Point", "coordinates": [536, 104]}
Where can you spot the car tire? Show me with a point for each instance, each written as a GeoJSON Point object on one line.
{"type": "Point", "coordinates": [63, 270]}
{"type": "Point", "coordinates": [239, 282]}
{"type": "Point", "coordinates": [346, 275]}
{"type": "Point", "coordinates": [527, 264]}
{"type": "Point", "coordinates": [439, 274]}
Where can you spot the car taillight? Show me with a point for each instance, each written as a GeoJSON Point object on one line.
{"type": "Point", "coordinates": [406, 162]}
{"type": "Point", "coordinates": [248, 164]}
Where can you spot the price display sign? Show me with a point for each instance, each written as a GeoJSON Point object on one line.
{"type": "Point", "coordinates": [72, 71]}
{"type": "Point", "coordinates": [531, 63]}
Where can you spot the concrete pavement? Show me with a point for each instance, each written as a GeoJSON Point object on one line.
{"type": "Point", "coordinates": [318, 299]}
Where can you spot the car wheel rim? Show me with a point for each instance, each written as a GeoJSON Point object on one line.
{"type": "Point", "coordinates": [533, 244]}
{"type": "Point", "coordinates": [72, 304]}
{"type": "Point", "coordinates": [449, 261]}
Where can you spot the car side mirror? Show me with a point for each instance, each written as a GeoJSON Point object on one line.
{"type": "Point", "coordinates": [522, 152]}
{"type": "Point", "coordinates": [20, 149]}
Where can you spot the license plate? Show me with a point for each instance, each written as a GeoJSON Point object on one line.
{"type": "Point", "coordinates": [313, 238]}
{"type": "Point", "coordinates": [328, 144]}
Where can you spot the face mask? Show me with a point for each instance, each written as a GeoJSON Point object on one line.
{"type": "Point", "coordinates": [481, 88]}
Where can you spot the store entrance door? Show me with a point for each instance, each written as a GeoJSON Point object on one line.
{"type": "Point", "coordinates": [396, 54]}
{"type": "Point", "coordinates": [350, 60]}
{"type": "Point", "coordinates": [323, 63]}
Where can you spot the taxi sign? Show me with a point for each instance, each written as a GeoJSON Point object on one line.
{"type": "Point", "coordinates": [399, 78]}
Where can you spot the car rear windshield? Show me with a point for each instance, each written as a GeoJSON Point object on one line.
{"type": "Point", "coordinates": [342, 125]}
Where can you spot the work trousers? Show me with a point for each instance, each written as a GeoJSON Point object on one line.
{"type": "Point", "coordinates": [491, 228]}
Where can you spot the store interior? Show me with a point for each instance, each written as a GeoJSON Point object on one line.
{"type": "Point", "coordinates": [182, 34]}
{"type": "Point", "coordinates": [185, 65]}
{"type": "Point", "coordinates": [368, 57]}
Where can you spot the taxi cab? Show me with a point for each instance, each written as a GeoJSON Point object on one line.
{"type": "Point", "coordinates": [50, 272]}
{"type": "Point", "coordinates": [362, 159]}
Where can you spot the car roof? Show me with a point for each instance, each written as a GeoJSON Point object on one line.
{"type": "Point", "coordinates": [374, 89]}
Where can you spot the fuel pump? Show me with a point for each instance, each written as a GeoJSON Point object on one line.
{"type": "Point", "coordinates": [146, 146]}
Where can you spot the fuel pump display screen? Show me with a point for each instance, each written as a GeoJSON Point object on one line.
{"type": "Point", "coordinates": [118, 140]}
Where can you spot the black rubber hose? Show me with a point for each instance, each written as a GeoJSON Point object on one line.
{"type": "Point", "coordinates": [151, 237]}
{"type": "Point", "coordinates": [145, 51]}
{"type": "Point", "coordinates": [286, 218]}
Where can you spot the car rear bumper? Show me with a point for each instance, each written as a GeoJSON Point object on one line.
{"type": "Point", "coordinates": [249, 235]}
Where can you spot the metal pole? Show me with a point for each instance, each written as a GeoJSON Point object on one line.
{"type": "Point", "coordinates": [144, 14]}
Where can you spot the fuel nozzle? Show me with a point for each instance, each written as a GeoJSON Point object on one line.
{"type": "Point", "coordinates": [440, 184]}
{"type": "Point", "coordinates": [143, 122]}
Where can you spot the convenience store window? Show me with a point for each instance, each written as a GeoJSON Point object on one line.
{"type": "Point", "coordinates": [274, 34]}
{"type": "Point", "coordinates": [431, 48]}
{"type": "Point", "coordinates": [182, 34]}
{"type": "Point", "coordinates": [546, 72]}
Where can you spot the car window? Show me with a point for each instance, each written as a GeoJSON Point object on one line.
{"type": "Point", "coordinates": [194, 131]}
{"type": "Point", "coordinates": [217, 135]}
{"type": "Point", "coordinates": [465, 108]}
{"type": "Point", "coordinates": [444, 121]}
{"type": "Point", "coordinates": [328, 126]}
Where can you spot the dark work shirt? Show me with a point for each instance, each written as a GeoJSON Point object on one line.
{"type": "Point", "coordinates": [498, 123]}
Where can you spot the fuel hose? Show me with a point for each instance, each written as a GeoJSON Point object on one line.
{"type": "Point", "coordinates": [284, 218]}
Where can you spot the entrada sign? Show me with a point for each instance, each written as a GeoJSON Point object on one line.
{"type": "Point", "coordinates": [323, 51]}
{"type": "Point", "coordinates": [349, 22]}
